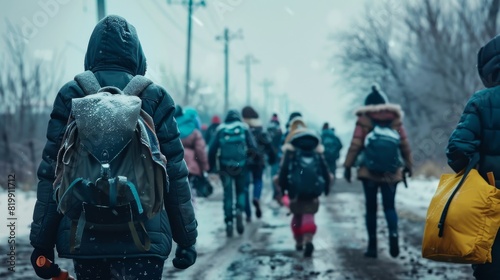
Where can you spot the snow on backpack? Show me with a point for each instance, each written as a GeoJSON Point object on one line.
{"type": "Point", "coordinates": [305, 179]}
{"type": "Point", "coordinates": [381, 153]}
{"type": "Point", "coordinates": [233, 145]}
{"type": "Point", "coordinates": [110, 173]}
{"type": "Point", "coordinates": [332, 145]}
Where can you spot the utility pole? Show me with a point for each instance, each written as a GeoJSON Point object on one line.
{"type": "Point", "coordinates": [226, 37]}
{"type": "Point", "coordinates": [190, 5]}
{"type": "Point", "coordinates": [101, 9]}
{"type": "Point", "coordinates": [248, 61]}
{"type": "Point", "coordinates": [266, 84]}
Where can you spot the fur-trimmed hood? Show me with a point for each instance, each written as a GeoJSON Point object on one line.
{"type": "Point", "coordinates": [289, 147]}
{"type": "Point", "coordinates": [381, 109]}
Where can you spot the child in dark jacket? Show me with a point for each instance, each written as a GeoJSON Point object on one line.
{"type": "Point", "coordinates": [303, 209]}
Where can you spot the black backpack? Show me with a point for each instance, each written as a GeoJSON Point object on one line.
{"type": "Point", "coordinates": [381, 153]}
{"type": "Point", "coordinates": [110, 173]}
{"type": "Point", "coordinates": [332, 145]}
{"type": "Point", "coordinates": [233, 145]}
{"type": "Point", "coordinates": [305, 178]}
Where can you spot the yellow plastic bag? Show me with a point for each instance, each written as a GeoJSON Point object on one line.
{"type": "Point", "coordinates": [463, 219]}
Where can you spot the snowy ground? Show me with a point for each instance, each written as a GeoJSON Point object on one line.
{"type": "Point", "coordinates": [266, 249]}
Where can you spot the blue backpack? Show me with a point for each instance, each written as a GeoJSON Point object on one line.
{"type": "Point", "coordinates": [233, 145]}
{"type": "Point", "coordinates": [382, 153]}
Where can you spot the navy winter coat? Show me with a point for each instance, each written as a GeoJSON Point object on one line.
{"type": "Point", "coordinates": [115, 55]}
{"type": "Point", "coordinates": [478, 130]}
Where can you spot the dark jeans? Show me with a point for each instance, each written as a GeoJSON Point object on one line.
{"type": "Point", "coordinates": [227, 176]}
{"type": "Point", "coordinates": [256, 172]}
{"type": "Point", "coordinates": [148, 268]}
{"type": "Point", "coordinates": [388, 195]}
{"type": "Point", "coordinates": [490, 271]}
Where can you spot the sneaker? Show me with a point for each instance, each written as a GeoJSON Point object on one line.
{"type": "Point", "coordinates": [258, 212]}
{"type": "Point", "coordinates": [393, 245]}
{"type": "Point", "coordinates": [308, 250]}
{"type": "Point", "coordinates": [239, 223]}
{"type": "Point", "coordinates": [299, 247]}
{"type": "Point", "coordinates": [229, 229]}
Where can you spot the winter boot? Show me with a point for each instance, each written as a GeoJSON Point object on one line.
{"type": "Point", "coordinates": [371, 252]}
{"type": "Point", "coordinates": [229, 229]}
{"type": "Point", "coordinates": [299, 243]}
{"type": "Point", "coordinates": [393, 244]}
{"type": "Point", "coordinates": [258, 212]}
{"type": "Point", "coordinates": [239, 222]}
{"type": "Point", "coordinates": [308, 250]}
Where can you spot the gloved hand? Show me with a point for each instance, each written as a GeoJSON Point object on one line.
{"type": "Point", "coordinates": [44, 272]}
{"type": "Point", "coordinates": [347, 174]}
{"type": "Point", "coordinates": [407, 171]}
{"type": "Point", "coordinates": [184, 257]}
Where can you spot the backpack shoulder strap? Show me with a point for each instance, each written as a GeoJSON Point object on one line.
{"type": "Point", "coordinates": [137, 85]}
{"type": "Point", "coordinates": [88, 82]}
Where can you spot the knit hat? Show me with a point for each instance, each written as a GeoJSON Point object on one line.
{"type": "Point", "coordinates": [326, 126]}
{"type": "Point", "coordinates": [275, 118]}
{"type": "Point", "coordinates": [178, 111]}
{"type": "Point", "coordinates": [215, 119]}
{"type": "Point", "coordinates": [376, 97]}
{"type": "Point", "coordinates": [249, 113]}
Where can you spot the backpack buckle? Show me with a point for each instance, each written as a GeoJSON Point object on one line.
{"type": "Point", "coordinates": [105, 171]}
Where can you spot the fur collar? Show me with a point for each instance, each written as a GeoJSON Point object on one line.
{"type": "Point", "coordinates": [395, 108]}
{"type": "Point", "coordinates": [253, 122]}
{"type": "Point", "coordinates": [289, 147]}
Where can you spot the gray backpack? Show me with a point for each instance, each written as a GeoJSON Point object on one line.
{"type": "Point", "coordinates": [110, 173]}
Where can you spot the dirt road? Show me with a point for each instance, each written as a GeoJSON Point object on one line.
{"type": "Point", "coordinates": [266, 249]}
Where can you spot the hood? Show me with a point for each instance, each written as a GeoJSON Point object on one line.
{"type": "Point", "coordinates": [188, 122]}
{"type": "Point", "coordinates": [306, 140]}
{"type": "Point", "coordinates": [488, 63]}
{"type": "Point", "coordinates": [114, 45]}
{"type": "Point", "coordinates": [383, 111]}
{"type": "Point", "coordinates": [232, 116]}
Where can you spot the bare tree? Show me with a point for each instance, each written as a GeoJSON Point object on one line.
{"type": "Point", "coordinates": [423, 53]}
{"type": "Point", "coordinates": [26, 88]}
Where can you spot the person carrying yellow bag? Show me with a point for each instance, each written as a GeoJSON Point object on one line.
{"type": "Point", "coordinates": [478, 132]}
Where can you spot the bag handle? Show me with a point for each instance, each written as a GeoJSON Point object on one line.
{"type": "Point", "coordinates": [472, 162]}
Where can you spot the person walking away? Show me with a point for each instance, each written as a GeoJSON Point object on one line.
{"type": "Point", "coordinates": [384, 153]}
{"type": "Point", "coordinates": [227, 155]}
{"type": "Point", "coordinates": [195, 153]}
{"type": "Point", "coordinates": [332, 145]}
{"type": "Point", "coordinates": [256, 159]}
{"type": "Point", "coordinates": [303, 176]}
{"type": "Point", "coordinates": [212, 128]}
{"type": "Point", "coordinates": [276, 135]}
{"type": "Point", "coordinates": [476, 133]}
{"type": "Point", "coordinates": [114, 58]}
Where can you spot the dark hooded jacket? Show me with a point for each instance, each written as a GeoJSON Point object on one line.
{"type": "Point", "coordinates": [115, 55]}
{"type": "Point", "coordinates": [478, 129]}
{"type": "Point", "coordinates": [231, 118]}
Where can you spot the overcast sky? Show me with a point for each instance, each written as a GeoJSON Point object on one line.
{"type": "Point", "coordinates": [288, 37]}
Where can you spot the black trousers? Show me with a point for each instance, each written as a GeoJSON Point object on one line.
{"type": "Point", "coordinates": [148, 268]}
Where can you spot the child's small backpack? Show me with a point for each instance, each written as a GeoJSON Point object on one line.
{"type": "Point", "coordinates": [332, 145]}
{"type": "Point", "coordinates": [110, 174]}
{"type": "Point", "coordinates": [233, 145]}
{"type": "Point", "coordinates": [305, 179]}
{"type": "Point", "coordinates": [381, 153]}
